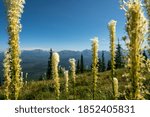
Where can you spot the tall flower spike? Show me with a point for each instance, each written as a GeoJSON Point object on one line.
{"type": "Point", "coordinates": [66, 84]}
{"type": "Point", "coordinates": [94, 64]}
{"type": "Point", "coordinates": [7, 74]}
{"type": "Point", "coordinates": [136, 28]}
{"type": "Point", "coordinates": [73, 73]}
{"type": "Point", "coordinates": [115, 82]}
{"type": "Point", "coordinates": [112, 31]}
{"type": "Point", "coordinates": [14, 11]}
{"type": "Point", "coordinates": [55, 62]}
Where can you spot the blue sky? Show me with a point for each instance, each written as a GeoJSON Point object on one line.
{"type": "Point", "coordinates": [65, 24]}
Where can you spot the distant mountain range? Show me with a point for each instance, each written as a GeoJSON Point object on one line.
{"type": "Point", "coordinates": [35, 62]}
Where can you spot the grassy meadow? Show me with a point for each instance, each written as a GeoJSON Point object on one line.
{"type": "Point", "coordinates": [44, 90]}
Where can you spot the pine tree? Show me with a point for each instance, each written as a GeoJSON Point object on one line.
{"type": "Point", "coordinates": [49, 69]}
{"type": "Point", "coordinates": [99, 65]}
{"type": "Point", "coordinates": [118, 57]}
{"type": "Point", "coordinates": [78, 66]}
{"type": "Point", "coordinates": [0, 81]}
{"type": "Point", "coordinates": [145, 55]}
{"type": "Point", "coordinates": [82, 64]}
{"type": "Point", "coordinates": [147, 6]}
{"type": "Point", "coordinates": [103, 62]}
{"type": "Point", "coordinates": [109, 65]}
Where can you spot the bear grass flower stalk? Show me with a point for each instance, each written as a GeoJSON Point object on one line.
{"type": "Point", "coordinates": [112, 31]}
{"type": "Point", "coordinates": [73, 73]}
{"type": "Point", "coordinates": [115, 82]}
{"type": "Point", "coordinates": [7, 75]}
{"type": "Point", "coordinates": [22, 79]}
{"type": "Point", "coordinates": [14, 11]}
{"type": "Point", "coordinates": [94, 63]}
{"type": "Point", "coordinates": [55, 62]}
{"type": "Point", "coordinates": [66, 82]}
{"type": "Point", "coordinates": [26, 77]}
{"type": "Point", "coordinates": [136, 27]}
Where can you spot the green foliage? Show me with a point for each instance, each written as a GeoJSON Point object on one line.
{"type": "Point", "coordinates": [109, 65]}
{"type": "Point", "coordinates": [44, 90]}
{"type": "Point", "coordinates": [147, 6]}
{"type": "Point", "coordinates": [99, 64]}
{"type": "Point", "coordinates": [0, 81]}
{"type": "Point", "coordinates": [103, 67]}
{"type": "Point", "coordinates": [82, 64]}
{"type": "Point", "coordinates": [78, 66]}
{"type": "Point", "coordinates": [49, 68]}
{"type": "Point", "coordinates": [118, 57]}
{"type": "Point", "coordinates": [145, 55]}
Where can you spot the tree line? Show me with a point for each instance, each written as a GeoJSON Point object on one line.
{"type": "Point", "coordinates": [102, 64]}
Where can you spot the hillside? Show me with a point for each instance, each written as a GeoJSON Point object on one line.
{"type": "Point", "coordinates": [44, 90]}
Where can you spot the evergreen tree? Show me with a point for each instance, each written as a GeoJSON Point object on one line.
{"type": "Point", "coordinates": [109, 65]}
{"type": "Point", "coordinates": [145, 55]}
{"type": "Point", "coordinates": [78, 66]}
{"type": "Point", "coordinates": [82, 64]}
{"type": "Point", "coordinates": [0, 81]}
{"type": "Point", "coordinates": [118, 57]}
{"type": "Point", "coordinates": [49, 69]}
{"type": "Point", "coordinates": [99, 65]}
{"type": "Point", "coordinates": [147, 6]}
{"type": "Point", "coordinates": [103, 62]}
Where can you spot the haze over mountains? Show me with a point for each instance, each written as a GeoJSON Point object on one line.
{"type": "Point", "coordinates": [35, 62]}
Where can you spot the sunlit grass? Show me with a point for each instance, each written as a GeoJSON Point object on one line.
{"type": "Point", "coordinates": [44, 90]}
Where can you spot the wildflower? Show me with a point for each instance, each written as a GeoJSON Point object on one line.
{"type": "Point", "coordinates": [73, 73]}
{"type": "Point", "coordinates": [136, 28]}
{"type": "Point", "coordinates": [94, 64]}
{"type": "Point", "coordinates": [55, 62]}
{"type": "Point", "coordinates": [14, 11]}
{"type": "Point", "coordinates": [66, 79]}
{"type": "Point", "coordinates": [112, 30]}
{"type": "Point", "coordinates": [7, 74]}
{"type": "Point", "coordinates": [115, 82]}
